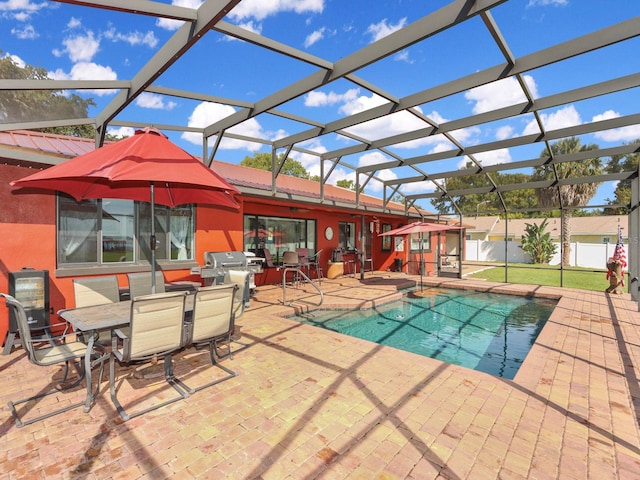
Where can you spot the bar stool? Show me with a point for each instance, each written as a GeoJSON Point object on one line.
{"type": "Point", "coordinates": [314, 262]}
{"type": "Point", "coordinates": [349, 264]}
{"type": "Point", "coordinates": [290, 260]}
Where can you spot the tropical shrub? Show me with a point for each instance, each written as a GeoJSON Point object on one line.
{"type": "Point", "coordinates": [537, 243]}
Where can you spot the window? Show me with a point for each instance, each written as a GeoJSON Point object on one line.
{"type": "Point", "coordinates": [347, 236]}
{"type": "Point", "coordinates": [606, 239]}
{"type": "Point", "coordinates": [415, 241]}
{"type": "Point", "coordinates": [106, 231]}
{"type": "Point", "coordinates": [278, 235]}
{"type": "Point", "coordinates": [386, 240]}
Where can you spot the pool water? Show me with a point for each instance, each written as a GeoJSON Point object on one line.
{"type": "Point", "coordinates": [488, 332]}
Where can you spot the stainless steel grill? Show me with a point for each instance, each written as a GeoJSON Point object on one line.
{"type": "Point", "coordinates": [216, 264]}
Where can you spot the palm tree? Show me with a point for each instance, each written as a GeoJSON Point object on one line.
{"type": "Point", "coordinates": [567, 196]}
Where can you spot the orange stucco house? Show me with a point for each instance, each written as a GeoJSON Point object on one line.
{"type": "Point", "coordinates": [299, 213]}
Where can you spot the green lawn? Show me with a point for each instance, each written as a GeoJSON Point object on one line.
{"type": "Point", "coordinates": [575, 277]}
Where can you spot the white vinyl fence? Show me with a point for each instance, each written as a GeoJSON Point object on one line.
{"type": "Point", "coordinates": [590, 255]}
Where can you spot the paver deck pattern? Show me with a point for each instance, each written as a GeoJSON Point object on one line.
{"type": "Point", "coordinates": [310, 403]}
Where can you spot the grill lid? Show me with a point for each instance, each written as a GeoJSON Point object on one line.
{"type": "Point", "coordinates": [225, 259]}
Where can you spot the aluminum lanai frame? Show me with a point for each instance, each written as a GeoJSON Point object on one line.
{"type": "Point", "coordinates": [210, 17]}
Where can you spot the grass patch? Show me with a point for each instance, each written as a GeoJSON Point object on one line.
{"type": "Point", "coordinates": [548, 275]}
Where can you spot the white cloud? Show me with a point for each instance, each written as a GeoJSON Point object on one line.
{"type": "Point", "coordinates": [310, 162]}
{"type": "Point", "coordinates": [132, 38]}
{"type": "Point", "coordinates": [321, 99]}
{"type": "Point", "coordinates": [413, 188]}
{"type": "Point", "coordinates": [393, 124]}
{"type": "Point", "coordinates": [371, 159]}
{"type": "Point", "coordinates": [403, 56]}
{"type": "Point", "coordinates": [251, 26]}
{"type": "Point", "coordinates": [544, 3]}
{"type": "Point", "coordinates": [608, 115]}
{"type": "Point", "coordinates": [73, 23]}
{"type": "Point", "coordinates": [170, 24]}
{"type": "Point", "coordinates": [207, 113]}
{"type": "Point", "coordinates": [504, 132]}
{"type": "Point", "coordinates": [314, 37]}
{"type": "Point", "coordinates": [382, 29]}
{"type": "Point", "coordinates": [628, 134]}
{"type": "Point", "coordinates": [341, 174]}
{"type": "Point", "coordinates": [23, 7]}
{"type": "Point", "coordinates": [261, 9]}
{"type": "Point", "coordinates": [25, 33]}
{"type": "Point", "coordinates": [81, 48]}
{"type": "Point", "coordinates": [355, 103]}
{"type": "Point", "coordinates": [87, 71]}
{"type": "Point", "coordinates": [154, 101]}
{"type": "Point", "coordinates": [500, 93]}
{"type": "Point", "coordinates": [16, 59]}
{"type": "Point", "coordinates": [121, 132]}
{"type": "Point", "coordinates": [494, 157]}
{"type": "Point", "coordinates": [565, 117]}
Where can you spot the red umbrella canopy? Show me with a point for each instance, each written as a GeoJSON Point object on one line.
{"type": "Point", "coordinates": [420, 227]}
{"type": "Point", "coordinates": [261, 233]}
{"type": "Point", "coordinates": [126, 169]}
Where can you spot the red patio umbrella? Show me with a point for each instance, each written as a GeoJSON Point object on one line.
{"type": "Point", "coordinates": [146, 167]}
{"type": "Point", "coordinates": [420, 227]}
{"type": "Point", "coordinates": [262, 233]}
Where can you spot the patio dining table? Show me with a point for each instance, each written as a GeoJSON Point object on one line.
{"type": "Point", "coordinates": [101, 317]}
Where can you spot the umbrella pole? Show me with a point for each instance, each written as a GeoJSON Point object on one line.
{"type": "Point", "coordinates": [152, 240]}
{"type": "Point", "coordinates": [421, 266]}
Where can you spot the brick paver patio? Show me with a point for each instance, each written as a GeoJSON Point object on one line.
{"type": "Point", "coordinates": [310, 403]}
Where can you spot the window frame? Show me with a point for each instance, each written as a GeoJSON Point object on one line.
{"type": "Point", "coordinates": [139, 262]}
{"type": "Point", "coordinates": [347, 236]}
{"type": "Point", "coordinates": [277, 239]}
{"type": "Point", "coordinates": [414, 242]}
{"type": "Point", "coordinates": [386, 239]}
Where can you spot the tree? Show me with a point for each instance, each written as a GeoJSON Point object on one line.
{"type": "Point", "coordinates": [622, 193]}
{"type": "Point", "coordinates": [344, 183]}
{"type": "Point", "coordinates": [27, 105]}
{"type": "Point", "coordinates": [537, 243]}
{"type": "Point", "coordinates": [263, 162]}
{"type": "Point", "coordinates": [567, 196]}
{"type": "Point", "coordinates": [518, 199]}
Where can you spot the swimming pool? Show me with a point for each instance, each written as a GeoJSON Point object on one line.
{"type": "Point", "coordinates": [488, 332]}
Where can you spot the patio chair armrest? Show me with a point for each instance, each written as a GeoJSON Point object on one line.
{"type": "Point", "coordinates": [119, 337]}
{"type": "Point", "coordinates": [66, 326]}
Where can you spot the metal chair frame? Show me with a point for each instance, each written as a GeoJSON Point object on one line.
{"type": "Point", "coordinates": [57, 350]}
{"type": "Point", "coordinates": [143, 340]}
{"type": "Point", "coordinates": [213, 320]}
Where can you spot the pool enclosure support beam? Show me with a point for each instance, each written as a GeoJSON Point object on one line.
{"type": "Point", "coordinates": [633, 240]}
{"type": "Point", "coordinates": [363, 246]}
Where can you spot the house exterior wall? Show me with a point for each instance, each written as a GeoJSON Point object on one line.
{"type": "Point", "coordinates": [28, 238]}
{"type": "Point", "coordinates": [327, 217]}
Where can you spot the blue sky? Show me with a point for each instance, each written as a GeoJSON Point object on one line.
{"type": "Point", "coordinates": [73, 42]}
